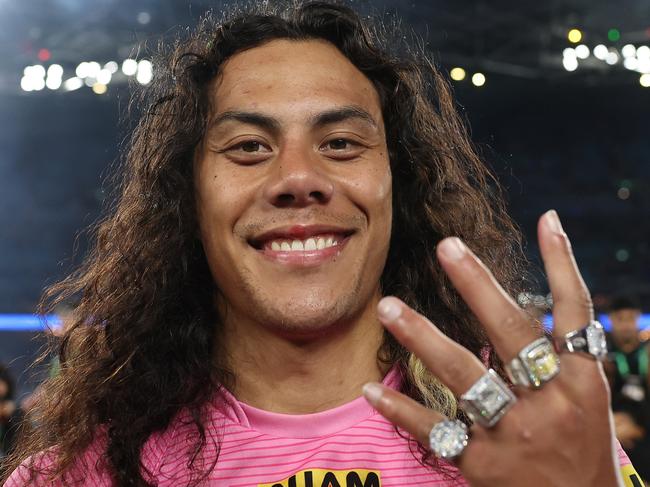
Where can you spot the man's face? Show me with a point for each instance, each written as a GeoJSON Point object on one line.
{"type": "Point", "coordinates": [293, 188]}
{"type": "Point", "coordinates": [625, 322]}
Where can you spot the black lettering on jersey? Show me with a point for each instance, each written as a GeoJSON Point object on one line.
{"type": "Point", "coordinates": [636, 481]}
{"type": "Point", "coordinates": [330, 480]}
{"type": "Point", "coordinates": [353, 480]}
{"type": "Point", "coordinates": [309, 479]}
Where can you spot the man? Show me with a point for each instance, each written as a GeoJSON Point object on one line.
{"type": "Point", "coordinates": [289, 173]}
{"type": "Point", "coordinates": [627, 370]}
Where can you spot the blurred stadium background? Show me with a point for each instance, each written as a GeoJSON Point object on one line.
{"type": "Point", "coordinates": [557, 94]}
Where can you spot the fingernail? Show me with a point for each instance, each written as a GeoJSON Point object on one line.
{"type": "Point", "coordinates": [389, 309]}
{"type": "Point", "coordinates": [554, 221]}
{"type": "Point", "coordinates": [373, 392]}
{"type": "Point", "coordinates": [453, 248]}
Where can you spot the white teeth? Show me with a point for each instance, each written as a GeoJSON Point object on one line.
{"type": "Point", "coordinates": [310, 244]}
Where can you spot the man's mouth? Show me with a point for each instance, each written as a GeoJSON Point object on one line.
{"type": "Point", "coordinates": [304, 245]}
{"type": "Point", "coordinates": [312, 243]}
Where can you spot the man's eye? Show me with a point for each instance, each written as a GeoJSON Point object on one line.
{"type": "Point", "coordinates": [249, 146]}
{"type": "Point", "coordinates": [339, 144]}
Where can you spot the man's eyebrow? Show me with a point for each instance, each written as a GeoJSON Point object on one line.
{"type": "Point", "coordinates": [250, 118]}
{"type": "Point", "coordinates": [326, 117]}
{"type": "Point", "coordinates": [341, 114]}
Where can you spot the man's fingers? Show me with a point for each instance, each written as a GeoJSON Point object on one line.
{"type": "Point", "coordinates": [402, 411]}
{"type": "Point", "coordinates": [506, 324]}
{"type": "Point", "coordinates": [572, 307]}
{"type": "Point", "coordinates": [454, 365]}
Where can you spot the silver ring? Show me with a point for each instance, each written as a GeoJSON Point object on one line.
{"type": "Point", "coordinates": [448, 438]}
{"type": "Point", "coordinates": [487, 400]}
{"type": "Point", "coordinates": [589, 339]}
{"type": "Point", "coordinates": [535, 365]}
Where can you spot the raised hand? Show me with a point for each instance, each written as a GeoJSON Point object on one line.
{"type": "Point", "coordinates": [555, 427]}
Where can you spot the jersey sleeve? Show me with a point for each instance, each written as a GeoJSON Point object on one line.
{"type": "Point", "coordinates": [630, 477]}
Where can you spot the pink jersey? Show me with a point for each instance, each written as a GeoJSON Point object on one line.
{"type": "Point", "coordinates": [348, 446]}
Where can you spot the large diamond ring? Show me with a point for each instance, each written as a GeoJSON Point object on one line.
{"type": "Point", "coordinates": [536, 364]}
{"type": "Point", "coordinates": [487, 400]}
{"type": "Point", "coordinates": [448, 438]}
{"type": "Point", "coordinates": [589, 339]}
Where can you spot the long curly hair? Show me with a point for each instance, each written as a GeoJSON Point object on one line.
{"type": "Point", "coordinates": [142, 346]}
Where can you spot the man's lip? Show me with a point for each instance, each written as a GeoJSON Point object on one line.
{"type": "Point", "coordinates": [298, 232]}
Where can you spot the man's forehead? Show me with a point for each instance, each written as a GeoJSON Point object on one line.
{"type": "Point", "coordinates": [300, 74]}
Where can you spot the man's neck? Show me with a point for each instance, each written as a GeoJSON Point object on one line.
{"type": "Point", "coordinates": [284, 376]}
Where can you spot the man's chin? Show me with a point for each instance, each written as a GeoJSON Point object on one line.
{"type": "Point", "coordinates": [305, 320]}
{"type": "Point", "coordinates": [306, 325]}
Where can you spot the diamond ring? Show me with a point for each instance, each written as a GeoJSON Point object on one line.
{"type": "Point", "coordinates": [487, 400]}
{"type": "Point", "coordinates": [535, 365]}
{"type": "Point", "coordinates": [448, 438]}
{"type": "Point", "coordinates": [589, 339]}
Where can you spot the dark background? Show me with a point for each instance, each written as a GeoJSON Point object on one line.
{"type": "Point", "coordinates": [556, 139]}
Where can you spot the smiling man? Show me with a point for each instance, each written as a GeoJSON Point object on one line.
{"type": "Point", "coordinates": [294, 200]}
{"type": "Point", "coordinates": [288, 174]}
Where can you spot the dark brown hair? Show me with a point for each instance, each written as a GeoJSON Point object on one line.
{"type": "Point", "coordinates": [141, 349]}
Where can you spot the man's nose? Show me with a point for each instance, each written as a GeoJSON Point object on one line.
{"type": "Point", "coordinates": [298, 179]}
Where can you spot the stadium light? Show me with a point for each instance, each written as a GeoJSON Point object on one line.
{"type": "Point", "coordinates": [574, 36]}
{"type": "Point", "coordinates": [478, 79]}
{"type": "Point", "coordinates": [601, 51]}
{"type": "Point", "coordinates": [129, 67]}
{"type": "Point", "coordinates": [457, 74]}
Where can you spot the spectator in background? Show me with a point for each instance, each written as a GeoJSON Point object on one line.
{"type": "Point", "coordinates": [9, 412]}
{"type": "Point", "coordinates": [628, 373]}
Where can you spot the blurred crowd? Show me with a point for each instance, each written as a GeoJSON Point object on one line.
{"type": "Point", "coordinates": [627, 371]}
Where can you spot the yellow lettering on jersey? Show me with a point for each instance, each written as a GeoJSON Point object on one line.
{"type": "Point", "coordinates": [630, 477]}
{"type": "Point", "coordinates": [329, 478]}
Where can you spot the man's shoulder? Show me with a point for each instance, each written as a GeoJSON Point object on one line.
{"type": "Point", "coordinates": [40, 469]}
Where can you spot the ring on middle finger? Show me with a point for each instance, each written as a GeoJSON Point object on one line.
{"type": "Point", "coordinates": [535, 365]}
{"type": "Point", "coordinates": [487, 400]}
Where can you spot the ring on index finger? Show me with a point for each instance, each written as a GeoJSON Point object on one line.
{"type": "Point", "coordinates": [535, 365]}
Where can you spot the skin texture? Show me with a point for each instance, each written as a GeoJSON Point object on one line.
{"type": "Point", "coordinates": [291, 328]}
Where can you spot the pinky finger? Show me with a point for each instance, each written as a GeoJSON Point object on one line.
{"type": "Point", "coordinates": [402, 411]}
